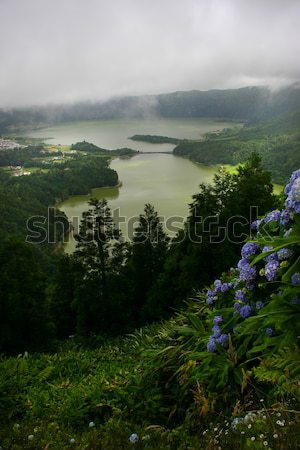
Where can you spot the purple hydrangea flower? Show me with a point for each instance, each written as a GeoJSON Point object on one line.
{"type": "Point", "coordinates": [242, 262]}
{"type": "Point", "coordinates": [269, 331]}
{"type": "Point", "coordinates": [294, 176]}
{"type": "Point", "coordinates": [237, 306]}
{"type": "Point", "coordinates": [272, 256]}
{"type": "Point", "coordinates": [249, 249]}
{"type": "Point", "coordinates": [217, 285]}
{"type": "Point", "coordinates": [218, 319]}
{"type": "Point", "coordinates": [295, 279]}
{"type": "Point", "coordinates": [222, 339]}
{"type": "Point", "coordinates": [259, 305]}
{"type": "Point", "coordinates": [247, 274]}
{"type": "Point", "coordinates": [239, 295]}
{"type": "Point", "coordinates": [216, 330]}
{"type": "Point", "coordinates": [284, 253]}
{"type": "Point", "coordinates": [211, 345]}
{"type": "Point", "coordinates": [285, 218]}
{"type": "Point", "coordinates": [255, 225]}
{"type": "Point", "coordinates": [271, 270]}
{"type": "Point", "coordinates": [288, 188]}
{"type": "Point", "coordinates": [292, 202]}
{"type": "Point", "coordinates": [273, 216]}
{"type": "Point", "coordinates": [245, 311]}
{"type": "Point", "coordinates": [210, 296]}
{"type": "Point", "coordinates": [225, 287]}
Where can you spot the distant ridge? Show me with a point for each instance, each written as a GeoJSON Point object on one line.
{"type": "Point", "coordinates": [249, 104]}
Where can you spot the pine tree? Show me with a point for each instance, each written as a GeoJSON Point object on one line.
{"type": "Point", "coordinates": [149, 248]}
{"type": "Point", "coordinates": [97, 238]}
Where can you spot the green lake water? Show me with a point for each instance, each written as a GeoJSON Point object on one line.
{"type": "Point", "coordinates": [166, 181]}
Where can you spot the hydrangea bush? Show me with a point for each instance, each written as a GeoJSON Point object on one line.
{"type": "Point", "coordinates": [264, 288]}
{"type": "Point", "coordinates": [255, 308]}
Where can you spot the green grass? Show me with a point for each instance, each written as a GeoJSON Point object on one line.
{"type": "Point", "coordinates": [49, 400]}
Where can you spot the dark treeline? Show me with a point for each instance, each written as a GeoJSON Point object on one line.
{"type": "Point", "coordinates": [110, 286]}
{"type": "Point", "coordinates": [246, 104]}
{"type": "Point", "coordinates": [155, 139]}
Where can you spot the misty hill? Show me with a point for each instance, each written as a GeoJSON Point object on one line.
{"type": "Point", "coordinates": [248, 104]}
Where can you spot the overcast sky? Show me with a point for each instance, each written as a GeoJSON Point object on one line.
{"type": "Point", "coordinates": [54, 51]}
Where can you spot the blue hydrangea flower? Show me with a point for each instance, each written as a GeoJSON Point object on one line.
{"type": "Point", "coordinates": [285, 217]}
{"type": "Point", "coordinates": [225, 287]}
{"type": "Point", "coordinates": [247, 274]}
{"type": "Point", "coordinates": [222, 339]}
{"type": "Point", "coordinates": [237, 306]}
{"type": "Point", "coordinates": [272, 256]}
{"type": "Point", "coordinates": [249, 249]}
{"type": "Point", "coordinates": [292, 202]}
{"type": "Point", "coordinates": [216, 330]}
{"type": "Point", "coordinates": [288, 188]}
{"type": "Point", "coordinates": [269, 331]}
{"type": "Point", "coordinates": [271, 270]}
{"type": "Point", "coordinates": [294, 176]}
{"type": "Point", "coordinates": [273, 216]}
{"type": "Point", "coordinates": [284, 253]}
{"type": "Point", "coordinates": [239, 295]}
{"type": "Point", "coordinates": [295, 279]}
{"type": "Point", "coordinates": [259, 305]}
{"type": "Point", "coordinates": [217, 284]}
{"type": "Point", "coordinates": [211, 345]}
{"type": "Point", "coordinates": [242, 262]}
{"type": "Point", "coordinates": [245, 311]}
{"type": "Point", "coordinates": [255, 225]}
{"type": "Point", "coordinates": [210, 296]}
{"type": "Point", "coordinates": [218, 319]}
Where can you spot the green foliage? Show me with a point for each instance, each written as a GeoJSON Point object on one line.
{"type": "Point", "coordinates": [154, 139]}
{"type": "Point", "coordinates": [24, 312]}
{"type": "Point", "coordinates": [100, 252]}
{"type": "Point", "coordinates": [276, 141]}
{"type": "Point", "coordinates": [145, 261]}
{"type": "Point", "coordinates": [218, 223]}
{"type": "Point", "coordinates": [92, 148]}
{"type": "Point", "coordinates": [24, 197]}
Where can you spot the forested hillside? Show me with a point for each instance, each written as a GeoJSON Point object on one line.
{"type": "Point", "coordinates": [247, 104]}
{"type": "Point", "coordinates": [276, 140]}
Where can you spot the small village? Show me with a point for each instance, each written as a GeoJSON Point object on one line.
{"type": "Point", "coordinates": [8, 143]}
{"type": "Point", "coordinates": [58, 154]}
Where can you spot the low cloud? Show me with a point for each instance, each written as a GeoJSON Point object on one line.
{"type": "Point", "coordinates": [72, 50]}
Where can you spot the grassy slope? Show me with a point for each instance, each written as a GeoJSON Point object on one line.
{"type": "Point", "coordinates": [54, 398]}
